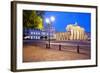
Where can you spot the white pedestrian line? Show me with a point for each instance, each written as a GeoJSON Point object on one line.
{"type": "Point", "coordinates": [67, 44]}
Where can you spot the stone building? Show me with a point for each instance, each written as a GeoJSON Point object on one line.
{"type": "Point", "coordinates": [62, 36]}
{"type": "Point", "coordinates": [74, 32]}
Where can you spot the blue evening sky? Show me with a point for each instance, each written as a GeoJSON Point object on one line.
{"type": "Point", "coordinates": [62, 19]}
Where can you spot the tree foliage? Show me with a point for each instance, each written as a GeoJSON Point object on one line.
{"type": "Point", "coordinates": [32, 20]}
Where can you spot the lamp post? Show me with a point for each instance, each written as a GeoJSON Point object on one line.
{"type": "Point", "coordinates": [49, 21]}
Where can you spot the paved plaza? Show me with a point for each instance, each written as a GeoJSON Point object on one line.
{"type": "Point", "coordinates": [37, 51]}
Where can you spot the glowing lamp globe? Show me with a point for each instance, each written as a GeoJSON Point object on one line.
{"type": "Point", "coordinates": [47, 21]}
{"type": "Point", "coordinates": [52, 18]}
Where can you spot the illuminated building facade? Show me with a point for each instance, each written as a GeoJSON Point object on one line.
{"type": "Point", "coordinates": [37, 34]}
{"type": "Point", "coordinates": [74, 32]}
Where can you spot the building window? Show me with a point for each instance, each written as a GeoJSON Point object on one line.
{"type": "Point", "coordinates": [38, 37]}
{"type": "Point", "coordinates": [38, 33]}
{"type": "Point", "coordinates": [43, 33]}
{"type": "Point", "coordinates": [35, 37]}
{"type": "Point", "coordinates": [31, 33]}
{"type": "Point", "coordinates": [34, 32]}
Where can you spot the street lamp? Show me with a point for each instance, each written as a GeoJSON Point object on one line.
{"type": "Point", "coordinates": [52, 18]}
{"type": "Point", "coordinates": [49, 21]}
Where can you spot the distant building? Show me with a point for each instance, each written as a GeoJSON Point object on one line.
{"type": "Point", "coordinates": [74, 32]}
{"type": "Point", "coordinates": [62, 35]}
{"type": "Point", "coordinates": [37, 34]}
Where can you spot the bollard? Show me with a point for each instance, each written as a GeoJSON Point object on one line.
{"type": "Point", "coordinates": [59, 47]}
{"type": "Point", "coordinates": [78, 49]}
{"type": "Point", "coordinates": [46, 45]}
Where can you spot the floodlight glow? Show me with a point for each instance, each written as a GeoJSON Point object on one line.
{"type": "Point", "coordinates": [52, 18]}
{"type": "Point", "coordinates": [47, 21]}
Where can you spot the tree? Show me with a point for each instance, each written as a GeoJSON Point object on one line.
{"type": "Point", "coordinates": [32, 20]}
